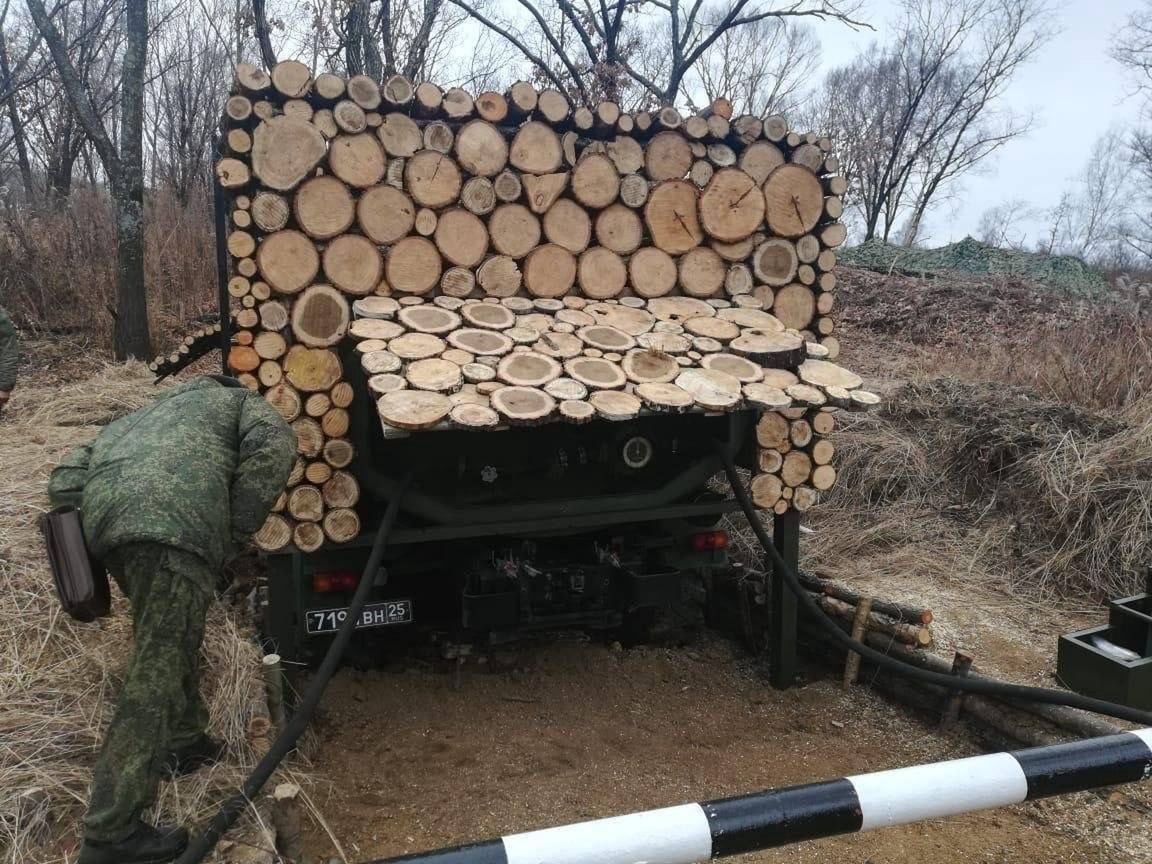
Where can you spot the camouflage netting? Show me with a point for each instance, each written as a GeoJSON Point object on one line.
{"type": "Point", "coordinates": [1061, 272]}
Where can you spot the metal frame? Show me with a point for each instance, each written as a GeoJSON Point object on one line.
{"type": "Point", "coordinates": [220, 223]}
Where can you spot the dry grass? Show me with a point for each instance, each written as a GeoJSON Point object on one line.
{"type": "Point", "coordinates": [978, 482]}
{"type": "Point", "coordinates": [57, 266]}
{"type": "Point", "coordinates": [58, 678]}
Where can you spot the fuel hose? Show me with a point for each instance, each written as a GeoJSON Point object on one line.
{"type": "Point", "coordinates": [200, 846]}
{"type": "Point", "coordinates": [967, 685]}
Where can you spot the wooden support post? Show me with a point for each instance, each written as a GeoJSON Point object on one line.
{"type": "Point", "coordinates": [286, 821]}
{"type": "Point", "coordinates": [859, 626]}
{"type": "Point", "coordinates": [961, 664]}
{"type": "Point", "coordinates": [274, 685]}
{"type": "Point", "coordinates": [784, 605]}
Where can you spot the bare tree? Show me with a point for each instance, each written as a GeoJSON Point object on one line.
{"type": "Point", "coordinates": [123, 164]}
{"type": "Point", "coordinates": [186, 86]}
{"type": "Point", "coordinates": [1003, 224]}
{"type": "Point", "coordinates": [913, 116]}
{"type": "Point", "coordinates": [764, 67]}
{"type": "Point", "coordinates": [593, 49]}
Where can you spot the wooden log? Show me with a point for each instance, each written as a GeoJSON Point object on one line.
{"type": "Point", "coordinates": [701, 273]}
{"type": "Point", "coordinates": [251, 79]}
{"type": "Point", "coordinates": [731, 206]}
{"type": "Point", "coordinates": [429, 99]}
{"type": "Point", "coordinates": [349, 117]}
{"type": "Point", "coordinates": [701, 173]}
{"type": "Point", "coordinates": [285, 150]}
{"type": "Point", "coordinates": [400, 136]}
{"type": "Point", "coordinates": [353, 264]}
{"type": "Point", "coordinates": [521, 100]}
{"type": "Point", "coordinates": [324, 207]}
{"type": "Point", "coordinates": [794, 200]}
{"type": "Point", "coordinates": [308, 537]}
{"type": "Point", "coordinates": [458, 104]}
{"type": "Point", "coordinates": [499, 276]}
{"type": "Point", "coordinates": [834, 235]}
{"type": "Point", "coordinates": [478, 196]}
{"type": "Point", "coordinates": [602, 274]}
{"type": "Point", "coordinates": [626, 154]}
{"type": "Point", "coordinates": [711, 389]}
{"type": "Point", "coordinates": [397, 91]}
{"type": "Point", "coordinates": [583, 119]}
{"type": "Point", "coordinates": [461, 237]}
{"type": "Point", "coordinates": [652, 272]}
{"type": "Point", "coordinates": [507, 186]}
{"type": "Point", "coordinates": [341, 525]}
{"type": "Point", "coordinates": [554, 107]}
{"type": "Point", "coordinates": [633, 190]}
{"type": "Point", "coordinates": [457, 282]}
{"type": "Point", "coordinates": [536, 149]}
{"type": "Point", "coordinates": [320, 316]}
{"type": "Point", "coordinates": [432, 179]}
{"type": "Point", "coordinates": [671, 217]}
{"type": "Point", "coordinates": [595, 181]}
{"type": "Point", "coordinates": [358, 160]}
{"type": "Point", "coordinates": [287, 261]}
{"type": "Point", "coordinates": [667, 157]}
{"type": "Point", "coordinates": [523, 405]}
{"type": "Point", "coordinates": [241, 244]}
{"type": "Point", "coordinates": [568, 225]}
{"type": "Point", "coordinates": [619, 229]}
{"type": "Point", "coordinates": [364, 91]}
{"type": "Point", "coordinates": [481, 149]}
{"type": "Point", "coordinates": [772, 350]}
{"type": "Point", "coordinates": [269, 212]}
{"type": "Point", "coordinates": [338, 452]}
{"type": "Point", "coordinates": [795, 306]}
{"type": "Point", "coordinates": [859, 628]}
{"type": "Point", "coordinates": [385, 214]}
{"type": "Point", "coordinates": [285, 400]}
{"type": "Point", "coordinates": [549, 271]}
{"type": "Point", "coordinates": [311, 369]}
{"type": "Point", "coordinates": [514, 230]}
{"type": "Point", "coordinates": [317, 473]}
{"type": "Point", "coordinates": [292, 79]}
{"type": "Point", "coordinates": [908, 634]}
{"type": "Point", "coordinates": [238, 141]}
{"type": "Point", "coordinates": [438, 136]}
{"type": "Point", "coordinates": [542, 191]}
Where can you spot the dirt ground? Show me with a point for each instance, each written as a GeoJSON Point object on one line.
{"type": "Point", "coordinates": [416, 759]}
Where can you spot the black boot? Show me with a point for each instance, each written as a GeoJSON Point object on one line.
{"type": "Point", "coordinates": [145, 845]}
{"type": "Point", "coordinates": [190, 758]}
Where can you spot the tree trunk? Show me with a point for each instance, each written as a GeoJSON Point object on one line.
{"type": "Point", "coordinates": [131, 338]}
{"type": "Point", "coordinates": [18, 137]}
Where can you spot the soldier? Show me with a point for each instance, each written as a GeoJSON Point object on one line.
{"type": "Point", "coordinates": [168, 494]}
{"type": "Point", "coordinates": [9, 357]}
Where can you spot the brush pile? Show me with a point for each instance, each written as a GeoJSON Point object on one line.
{"type": "Point", "coordinates": [512, 259]}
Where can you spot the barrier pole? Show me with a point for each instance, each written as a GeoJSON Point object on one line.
{"type": "Point", "coordinates": [732, 826]}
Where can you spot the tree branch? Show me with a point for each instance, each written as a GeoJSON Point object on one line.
{"type": "Point", "coordinates": [507, 34]}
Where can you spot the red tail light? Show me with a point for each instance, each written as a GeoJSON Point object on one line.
{"type": "Point", "coordinates": [339, 580]}
{"type": "Point", "coordinates": [710, 541]}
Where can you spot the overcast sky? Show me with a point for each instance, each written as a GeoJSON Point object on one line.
{"type": "Point", "coordinates": [1075, 90]}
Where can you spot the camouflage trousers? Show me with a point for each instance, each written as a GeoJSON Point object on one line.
{"type": "Point", "coordinates": [160, 708]}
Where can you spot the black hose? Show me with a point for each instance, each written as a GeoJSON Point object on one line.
{"type": "Point", "coordinates": [967, 685]}
{"type": "Point", "coordinates": [286, 740]}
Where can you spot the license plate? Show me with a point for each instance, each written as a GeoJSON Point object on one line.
{"type": "Point", "coordinates": [373, 615]}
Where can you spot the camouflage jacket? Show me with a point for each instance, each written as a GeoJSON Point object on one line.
{"type": "Point", "coordinates": [197, 469]}
{"type": "Point", "coordinates": [9, 352]}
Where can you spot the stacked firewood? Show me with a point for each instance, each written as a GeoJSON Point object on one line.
{"type": "Point", "coordinates": [510, 258]}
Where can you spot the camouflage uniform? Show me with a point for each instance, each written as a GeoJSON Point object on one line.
{"type": "Point", "coordinates": [168, 494]}
{"type": "Point", "coordinates": [9, 352]}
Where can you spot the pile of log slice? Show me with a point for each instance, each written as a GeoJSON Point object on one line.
{"type": "Point", "coordinates": [510, 258]}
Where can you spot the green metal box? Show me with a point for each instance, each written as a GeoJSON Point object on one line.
{"type": "Point", "coordinates": [1091, 671]}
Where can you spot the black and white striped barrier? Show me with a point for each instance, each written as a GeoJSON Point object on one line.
{"type": "Point", "coordinates": [696, 832]}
